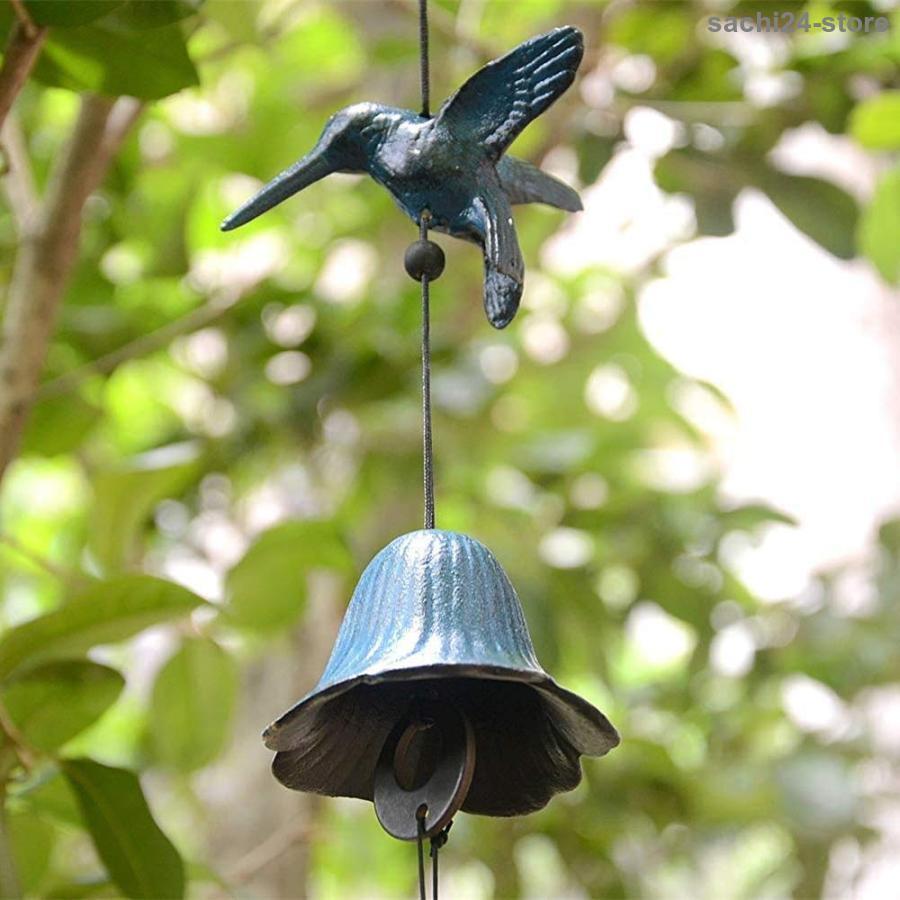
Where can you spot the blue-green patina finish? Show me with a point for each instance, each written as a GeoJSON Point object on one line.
{"type": "Point", "coordinates": [434, 614]}
{"type": "Point", "coordinates": [452, 165]}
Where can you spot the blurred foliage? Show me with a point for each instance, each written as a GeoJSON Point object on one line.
{"type": "Point", "coordinates": [229, 429]}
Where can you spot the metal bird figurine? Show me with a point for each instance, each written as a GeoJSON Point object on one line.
{"type": "Point", "coordinates": [451, 168]}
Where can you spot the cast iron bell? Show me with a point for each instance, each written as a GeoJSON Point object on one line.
{"type": "Point", "coordinates": [435, 634]}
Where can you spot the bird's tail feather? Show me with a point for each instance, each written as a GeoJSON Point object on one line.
{"type": "Point", "coordinates": [491, 225]}
{"type": "Point", "coordinates": [525, 183]}
{"type": "Point", "coordinates": [502, 294]}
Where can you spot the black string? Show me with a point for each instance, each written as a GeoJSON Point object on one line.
{"type": "Point", "coordinates": [423, 56]}
{"type": "Point", "coordinates": [419, 842]}
{"type": "Point", "coordinates": [440, 839]}
{"type": "Point", "coordinates": [434, 871]}
{"type": "Point", "coordinates": [424, 219]}
{"type": "Point", "coordinates": [437, 842]}
{"type": "Point", "coordinates": [427, 453]}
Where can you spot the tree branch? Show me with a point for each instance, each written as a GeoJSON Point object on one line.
{"type": "Point", "coordinates": [10, 886]}
{"type": "Point", "coordinates": [141, 346]}
{"type": "Point", "coordinates": [24, 17]}
{"type": "Point", "coordinates": [46, 257]}
{"type": "Point", "coordinates": [272, 847]}
{"type": "Point", "coordinates": [19, 57]}
{"type": "Point", "coordinates": [18, 181]}
{"type": "Point", "coordinates": [66, 576]}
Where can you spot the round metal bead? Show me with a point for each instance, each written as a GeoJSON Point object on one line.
{"type": "Point", "coordinates": [424, 259]}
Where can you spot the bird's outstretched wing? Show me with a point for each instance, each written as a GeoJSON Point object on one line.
{"type": "Point", "coordinates": [490, 223]}
{"type": "Point", "coordinates": [498, 101]}
{"type": "Point", "coordinates": [525, 183]}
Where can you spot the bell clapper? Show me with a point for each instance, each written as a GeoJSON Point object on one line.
{"type": "Point", "coordinates": [438, 738]}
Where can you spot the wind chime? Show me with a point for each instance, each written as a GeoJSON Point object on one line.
{"type": "Point", "coordinates": [433, 700]}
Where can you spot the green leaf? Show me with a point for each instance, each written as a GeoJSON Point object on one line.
{"type": "Point", "coordinates": [818, 792]}
{"type": "Point", "coordinates": [47, 794]}
{"type": "Point", "coordinates": [708, 78]}
{"type": "Point", "coordinates": [193, 705]}
{"type": "Point", "coordinates": [66, 14]}
{"type": "Point", "coordinates": [267, 589]}
{"type": "Point", "coordinates": [141, 14]}
{"type": "Point", "coordinates": [818, 208]}
{"type": "Point", "coordinates": [660, 32]}
{"type": "Point", "coordinates": [880, 225]}
{"type": "Point", "coordinates": [107, 612]}
{"type": "Point", "coordinates": [889, 536]}
{"type": "Point", "coordinates": [712, 182]}
{"type": "Point", "coordinates": [52, 703]}
{"type": "Point", "coordinates": [889, 564]}
{"type": "Point", "coordinates": [59, 425]}
{"type": "Point", "coordinates": [83, 889]}
{"type": "Point", "coordinates": [139, 857]}
{"type": "Point", "coordinates": [323, 44]}
{"type": "Point", "coordinates": [109, 57]}
{"type": "Point", "coordinates": [31, 840]}
{"type": "Point", "coordinates": [875, 122]}
{"type": "Point", "coordinates": [751, 516]}
{"type": "Point", "coordinates": [238, 19]}
{"type": "Point", "coordinates": [124, 499]}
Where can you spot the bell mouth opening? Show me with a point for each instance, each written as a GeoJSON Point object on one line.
{"type": "Point", "coordinates": [527, 748]}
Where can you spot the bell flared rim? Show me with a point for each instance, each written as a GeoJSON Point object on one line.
{"type": "Point", "coordinates": [434, 616]}
{"type": "Point", "coordinates": [584, 726]}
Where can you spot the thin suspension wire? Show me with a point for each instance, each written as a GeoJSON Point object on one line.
{"type": "Point", "coordinates": [435, 847]}
{"type": "Point", "coordinates": [427, 451]}
{"type": "Point", "coordinates": [437, 842]}
{"type": "Point", "coordinates": [424, 219]}
{"type": "Point", "coordinates": [423, 57]}
{"type": "Point", "coordinates": [420, 840]}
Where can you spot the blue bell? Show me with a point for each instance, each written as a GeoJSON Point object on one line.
{"type": "Point", "coordinates": [434, 620]}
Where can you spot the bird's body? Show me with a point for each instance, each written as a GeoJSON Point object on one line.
{"type": "Point", "coordinates": [451, 167]}
{"type": "Point", "coordinates": [412, 157]}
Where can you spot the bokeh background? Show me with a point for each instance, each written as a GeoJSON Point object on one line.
{"type": "Point", "coordinates": [685, 450]}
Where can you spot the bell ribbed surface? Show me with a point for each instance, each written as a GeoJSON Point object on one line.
{"type": "Point", "coordinates": [431, 597]}
{"type": "Point", "coordinates": [435, 615]}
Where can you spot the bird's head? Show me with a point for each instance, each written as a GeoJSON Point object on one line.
{"type": "Point", "coordinates": [344, 146]}
{"type": "Point", "coordinates": [349, 136]}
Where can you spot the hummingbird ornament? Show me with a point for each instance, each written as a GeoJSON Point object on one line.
{"type": "Point", "coordinates": [449, 172]}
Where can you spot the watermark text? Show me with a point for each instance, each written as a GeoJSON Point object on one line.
{"type": "Point", "coordinates": [788, 22]}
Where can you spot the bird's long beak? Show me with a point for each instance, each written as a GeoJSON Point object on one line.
{"type": "Point", "coordinates": [302, 174]}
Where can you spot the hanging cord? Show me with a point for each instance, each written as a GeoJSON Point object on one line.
{"type": "Point", "coordinates": [423, 57]}
{"type": "Point", "coordinates": [434, 265]}
{"type": "Point", "coordinates": [428, 272]}
{"type": "Point", "coordinates": [434, 870]}
{"type": "Point", "coordinates": [427, 451]}
{"type": "Point", "coordinates": [437, 842]}
{"type": "Point", "coordinates": [420, 847]}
